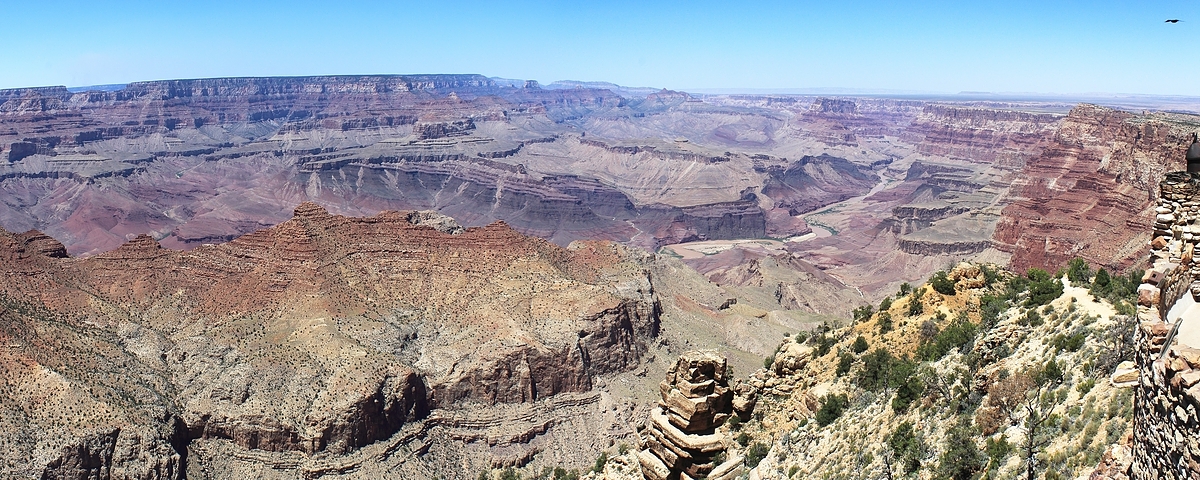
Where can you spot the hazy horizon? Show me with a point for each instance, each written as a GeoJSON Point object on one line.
{"type": "Point", "coordinates": [1057, 48]}
{"type": "Point", "coordinates": [827, 90]}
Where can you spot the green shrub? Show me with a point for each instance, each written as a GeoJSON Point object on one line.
{"type": "Point", "coordinates": [509, 474]}
{"type": "Point", "coordinates": [882, 370]}
{"type": "Point", "coordinates": [863, 313]}
{"type": "Point", "coordinates": [941, 283]}
{"type": "Point", "coordinates": [734, 422]}
{"type": "Point", "coordinates": [792, 470]}
{"type": "Point", "coordinates": [823, 343]}
{"type": "Point", "coordinates": [876, 367]}
{"type": "Point", "coordinates": [1085, 386]}
{"type": "Point", "coordinates": [908, 392]}
{"type": "Point", "coordinates": [1070, 343]}
{"type": "Point", "coordinates": [742, 438]}
{"type": "Point", "coordinates": [1050, 374]}
{"type": "Point", "coordinates": [1100, 283]}
{"type": "Point", "coordinates": [1015, 287]}
{"type": "Point", "coordinates": [990, 275]}
{"type": "Point", "coordinates": [990, 309]}
{"type": "Point", "coordinates": [955, 336]}
{"type": "Point", "coordinates": [1116, 288]}
{"type": "Point", "coordinates": [845, 361]}
{"type": "Point", "coordinates": [859, 346]}
{"type": "Point", "coordinates": [905, 289]}
{"type": "Point", "coordinates": [1037, 275]}
{"type": "Point", "coordinates": [600, 461]}
{"type": "Point", "coordinates": [960, 458]}
{"type": "Point", "coordinates": [1042, 288]}
{"type": "Point", "coordinates": [885, 305]}
{"type": "Point", "coordinates": [885, 322]}
{"type": "Point", "coordinates": [832, 407]}
{"type": "Point", "coordinates": [757, 452]}
{"type": "Point", "coordinates": [997, 450]}
{"type": "Point", "coordinates": [905, 446]}
{"type": "Point", "coordinates": [915, 307]}
{"type": "Point", "coordinates": [1078, 272]}
{"type": "Point", "coordinates": [1032, 318]}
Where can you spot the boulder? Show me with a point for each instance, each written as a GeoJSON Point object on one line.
{"type": "Point", "coordinates": [792, 358]}
{"type": "Point", "coordinates": [1125, 375]}
{"type": "Point", "coordinates": [1147, 295]}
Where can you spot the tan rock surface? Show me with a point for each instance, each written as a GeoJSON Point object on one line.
{"type": "Point", "coordinates": [319, 337]}
{"type": "Point", "coordinates": [680, 437]}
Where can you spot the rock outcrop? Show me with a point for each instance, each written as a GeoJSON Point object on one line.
{"type": "Point", "coordinates": [321, 338]}
{"type": "Point", "coordinates": [1007, 137]}
{"type": "Point", "coordinates": [680, 439]}
{"type": "Point", "coordinates": [813, 182]}
{"type": "Point", "coordinates": [1090, 192]}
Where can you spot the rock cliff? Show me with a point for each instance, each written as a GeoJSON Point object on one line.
{"type": "Point", "coordinates": [323, 336]}
{"type": "Point", "coordinates": [1089, 193]}
{"type": "Point", "coordinates": [890, 189]}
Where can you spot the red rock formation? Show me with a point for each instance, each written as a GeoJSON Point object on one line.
{"type": "Point", "coordinates": [1090, 192]}
{"type": "Point", "coordinates": [981, 135]}
{"type": "Point", "coordinates": [813, 182]}
{"type": "Point", "coordinates": [324, 333]}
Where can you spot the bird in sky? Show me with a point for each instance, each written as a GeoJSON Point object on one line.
{"type": "Point", "coordinates": [1173, 20]}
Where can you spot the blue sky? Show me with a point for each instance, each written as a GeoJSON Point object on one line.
{"type": "Point", "coordinates": [936, 46]}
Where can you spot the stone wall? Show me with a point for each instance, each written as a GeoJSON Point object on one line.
{"type": "Point", "coordinates": [1167, 397]}
{"type": "Point", "coordinates": [1165, 426]}
{"type": "Point", "coordinates": [1173, 269]}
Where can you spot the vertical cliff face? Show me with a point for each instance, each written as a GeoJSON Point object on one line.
{"type": "Point", "coordinates": [1090, 192]}
{"type": "Point", "coordinates": [981, 135]}
{"type": "Point", "coordinates": [842, 122]}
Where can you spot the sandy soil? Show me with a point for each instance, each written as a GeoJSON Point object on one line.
{"type": "Point", "coordinates": [694, 250]}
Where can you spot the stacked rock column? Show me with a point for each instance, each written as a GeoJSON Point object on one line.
{"type": "Point", "coordinates": [680, 440]}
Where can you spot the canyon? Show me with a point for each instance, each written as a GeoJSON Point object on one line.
{"type": "Point", "coordinates": [438, 275]}
{"type": "Point", "coordinates": [887, 184]}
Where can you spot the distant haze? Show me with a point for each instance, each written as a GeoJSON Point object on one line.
{"type": "Point", "coordinates": [851, 46]}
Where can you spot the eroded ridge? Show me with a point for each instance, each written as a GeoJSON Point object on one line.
{"type": "Point", "coordinates": [320, 336]}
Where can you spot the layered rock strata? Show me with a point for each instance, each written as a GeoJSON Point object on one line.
{"type": "Point", "coordinates": [320, 337]}
{"type": "Point", "coordinates": [680, 440]}
{"type": "Point", "coordinates": [981, 135]}
{"type": "Point", "coordinates": [1089, 192]}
